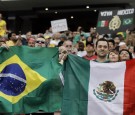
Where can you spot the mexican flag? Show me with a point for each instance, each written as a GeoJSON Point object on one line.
{"type": "Point", "coordinates": [29, 80]}
{"type": "Point", "coordinates": [103, 23]}
{"type": "Point", "coordinates": [92, 88]}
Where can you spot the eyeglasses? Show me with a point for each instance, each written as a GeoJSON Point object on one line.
{"type": "Point", "coordinates": [40, 42]}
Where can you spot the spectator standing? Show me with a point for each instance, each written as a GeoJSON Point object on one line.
{"type": "Point", "coordinates": [3, 28]}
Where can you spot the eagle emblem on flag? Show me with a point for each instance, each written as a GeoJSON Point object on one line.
{"type": "Point", "coordinates": [115, 23]}
{"type": "Point", "coordinates": [106, 91]}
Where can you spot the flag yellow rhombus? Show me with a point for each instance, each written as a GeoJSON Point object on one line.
{"type": "Point", "coordinates": [17, 79]}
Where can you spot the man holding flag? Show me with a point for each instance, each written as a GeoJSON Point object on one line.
{"type": "Point", "coordinates": [92, 88]}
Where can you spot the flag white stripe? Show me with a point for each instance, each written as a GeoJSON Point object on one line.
{"type": "Point", "coordinates": [61, 77]}
{"type": "Point", "coordinates": [13, 76]}
{"type": "Point", "coordinates": [99, 73]}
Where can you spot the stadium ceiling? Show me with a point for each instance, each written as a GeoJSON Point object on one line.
{"type": "Point", "coordinates": [38, 6]}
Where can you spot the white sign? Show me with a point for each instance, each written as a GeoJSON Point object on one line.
{"type": "Point", "coordinates": [59, 25]}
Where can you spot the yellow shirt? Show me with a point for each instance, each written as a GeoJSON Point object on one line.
{"type": "Point", "coordinates": [2, 28]}
{"type": "Point", "coordinates": [84, 41]}
{"type": "Point", "coordinates": [10, 43]}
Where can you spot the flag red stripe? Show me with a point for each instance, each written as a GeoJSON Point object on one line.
{"type": "Point", "coordinates": [106, 23]}
{"type": "Point", "coordinates": [129, 88]}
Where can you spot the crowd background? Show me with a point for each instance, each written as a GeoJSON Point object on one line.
{"type": "Point", "coordinates": [77, 42]}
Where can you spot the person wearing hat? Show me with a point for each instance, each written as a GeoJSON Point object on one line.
{"type": "Point", "coordinates": [122, 45]}
{"type": "Point", "coordinates": [47, 41]}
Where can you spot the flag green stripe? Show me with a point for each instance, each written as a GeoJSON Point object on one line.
{"type": "Point", "coordinates": [48, 95]}
{"type": "Point", "coordinates": [99, 24]}
{"type": "Point", "coordinates": [4, 107]}
{"type": "Point", "coordinates": [75, 101]}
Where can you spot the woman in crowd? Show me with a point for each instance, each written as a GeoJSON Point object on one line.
{"type": "Point", "coordinates": [125, 55]}
{"type": "Point", "coordinates": [130, 40]}
{"type": "Point", "coordinates": [132, 50]}
{"type": "Point", "coordinates": [113, 56]}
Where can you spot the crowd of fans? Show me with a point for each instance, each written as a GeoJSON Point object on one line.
{"type": "Point", "coordinates": [80, 43]}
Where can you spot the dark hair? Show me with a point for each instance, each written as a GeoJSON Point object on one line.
{"type": "Point", "coordinates": [132, 31]}
{"type": "Point", "coordinates": [10, 34]}
{"type": "Point", "coordinates": [130, 54]}
{"type": "Point", "coordinates": [80, 43]}
{"type": "Point", "coordinates": [112, 41]}
{"type": "Point", "coordinates": [102, 39]}
{"type": "Point", "coordinates": [88, 43]}
{"type": "Point", "coordinates": [80, 46]}
{"type": "Point", "coordinates": [116, 36]}
{"type": "Point", "coordinates": [105, 36]}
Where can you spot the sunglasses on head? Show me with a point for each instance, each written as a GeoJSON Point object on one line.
{"type": "Point", "coordinates": [40, 42]}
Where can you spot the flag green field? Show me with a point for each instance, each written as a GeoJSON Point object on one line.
{"type": "Point", "coordinates": [29, 80]}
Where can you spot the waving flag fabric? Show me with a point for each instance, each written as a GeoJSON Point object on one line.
{"type": "Point", "coordinates": [92, 88]}
{"type": "Point", "coordinates": [29, 80]}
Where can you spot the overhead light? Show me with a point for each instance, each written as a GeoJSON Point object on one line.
{"type": "Point", "coordinates": [72, 17]}
{"type": "Point", "coordinates": [56, 12]}
{"type": "Point", "coordinates": [46, 9]}
{"type": "Point", "coordinates": [95, 10]}
{"type": "Point", "coordinates": [87, 7]}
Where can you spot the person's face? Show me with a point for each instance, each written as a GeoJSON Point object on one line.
{"type": "Point", "coordinates": [113, 57]}
{"type": "Point", "coordinates": [111, 46]}
{"type": "Point", "coordinates": [13, 37]}
{"type": "Point", "coordinates": [117, 41]}
{"type": "Point", "coordinates": [28, 35]}
{"type": "Point", "coordinates": [124, 55]}
{"type": "Point", "coordinates": [130, 38]}
{"type": "Point", "coordinates": [57, 36]}
{"type": "Point", "coordinates": [92, 30]}
{"type": "Point", "coordinates": [47, 40]}
{"type": "Point", "coordinates": [89, 39]}
{"type": "Point", "coordinates": [123, 47]}
{"type": "Point", "coordinates": [82, 37]}
{"type": "Point", "coordinates": [68, 46]}
{"type": "Point", "coordinates": [89, 48]}
{"type": "Point", "coordinates": [131, 49]}
{"type": "Point", "coordinates": [81, 47]}
{"type": "Point", "coordinates": [31, 43]}
{"type": "Point", "coordinates": [102, 49]}
{"type": "Point", "coordinates": [40, 42]}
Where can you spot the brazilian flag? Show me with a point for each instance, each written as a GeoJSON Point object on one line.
{"type": "Point", "coordinates": [29, 80]}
